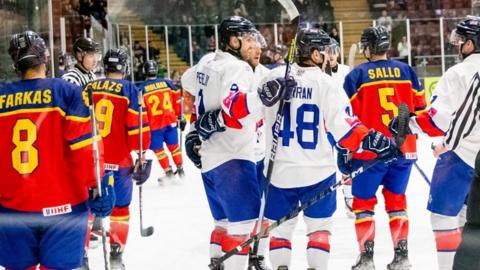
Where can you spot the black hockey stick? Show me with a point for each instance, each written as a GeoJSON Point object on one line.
{"type": "Point", "coordinates": [96, 159]}
{"type": "Point", "coordinates": [254, 259]}
{"type": "Point", "coordinates": [256, 237]}
{"type": "Point", "coordinates": [144, 232]}
{"type": "Point", "coordinates": [422, 173]}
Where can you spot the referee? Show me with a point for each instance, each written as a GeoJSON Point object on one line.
{"type": "Point", "coordinates": [468, 253]}
{"type": "Point", "coordinates": [87, 53]}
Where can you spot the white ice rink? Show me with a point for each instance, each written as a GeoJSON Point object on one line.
{"type": "Point", "coordinates": [182, 221]}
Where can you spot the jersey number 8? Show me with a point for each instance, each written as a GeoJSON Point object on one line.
{"type": "Point", "coordinates": [302, 125]}
{"type": "Point", "coordinates": [24, 155]}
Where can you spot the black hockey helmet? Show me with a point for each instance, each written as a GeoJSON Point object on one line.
{"type": "Point", "coordinates": [376, 39]}
{"type": "Point", "coordinates": [27, 50]}
{"type": "Point", "coordinates": [233, 26]}
{"type": "Point", "coordinates": [116, 60]}
{"type": "Point", "coordinates": [310, 39]}
{"type": "Point", "coordinates": [150, 68]}
{"type": "Point", "coordinates": [468, 29]}
{"type": "Point", "coordinates": [83, 44]}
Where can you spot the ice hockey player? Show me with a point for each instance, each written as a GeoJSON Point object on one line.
{"type": "Point", "coordinates": [304, 163]}
{"type": "Point", "coordinates": [162, 102]}
{"type": "Point", "coordinates": [228, 169]}
{"type": "Point", "coordinates": [87, 52]}
{"type": "Point", "coordinates": [455, 92]}
{"type": "Point", "coordinates": [376, 89]}
{"type": "Point", "coordinates": [339, 72]}
{"type": "Point", "coordinates": [47, 149]}
{"type": "Point", "coordinates": [117, 114]}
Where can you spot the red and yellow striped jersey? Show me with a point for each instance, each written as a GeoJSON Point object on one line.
{"type": "Point", "coordinates": [162, 101]}
{"type": "Point", "coordinates": [117, 114]}
{"type": "Point", "coordinates": [377, 88]}
{"type": "Point", "coordinates": [45, 144]}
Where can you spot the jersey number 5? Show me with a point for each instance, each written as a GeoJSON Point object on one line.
{"type": "Point", "coordinates": [388, 106]}
{"type": "Point", "coordinates": [24, 155]}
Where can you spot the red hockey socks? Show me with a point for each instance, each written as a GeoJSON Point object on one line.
{"type": "Point", "coordinates": [162, 158]}
{"type": "Point", "coordinates": [119, 226]}
{"type": "Point", "coordinates": [396, 207]}
{"type": "Point", "coordinates": [364, 210]}
{"type": "Point", "coordinates": [176, 154]}
{"type": "Point", "coordinates": [216, 239]}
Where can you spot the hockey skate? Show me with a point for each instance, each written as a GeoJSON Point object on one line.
{"type": "Point", "coordinates": [213, 261]}
{"type": "Point", "coordinates": [169, 175]}
{"type": "Point", "coordinates": [116, 261]}
{"type": "Point", "coordinates": [400, 259]}
{"type": "Point", "coordinates": [365, 260]}
{"type": "Point", "coordinates": [180, 171]}
{"type": "Point", "coordinates": [257, 262]}
{"type": "Point", "coordinates": [282, 267]}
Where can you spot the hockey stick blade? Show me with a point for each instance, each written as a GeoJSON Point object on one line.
{"type": "Point", "coordinates": [146, 232]}
{"type": "Point", "coordinates": [403, 119]}
{"type": "Point", "coordinates": [291, 9]}
{"type": "Point", "coordinates": [351, 56]}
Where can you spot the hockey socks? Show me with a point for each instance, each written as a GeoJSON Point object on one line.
{"type": "Point", "coordinates": [216, 239]}
{"type": "Point", "coordinates": [176, 154]}
{"type": "Point", "coordinates": [119, 226]}
{"type": "Point", "coordinates": [162, 159]}
{"type": "Point", "coordinates": [318, 246]}
{"type": "Point", "coordinates": [364, 221]}
{"type": "Point", "coordinates": [396, 207]}
{"type": "Point", "coordinates": [447, 239]}
{"type": "Point", "coordinates": [281, 245]}
{"type": "Point", "coordinates": [237, 233]}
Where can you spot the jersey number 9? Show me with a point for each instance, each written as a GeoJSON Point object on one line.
{"type": "Point", "coordinates": [104, 114]}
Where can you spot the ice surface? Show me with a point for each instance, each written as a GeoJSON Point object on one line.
{"type": "Point", "coordinates": [182, 221]}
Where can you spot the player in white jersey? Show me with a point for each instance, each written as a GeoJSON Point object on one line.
{"type": "Point", "coordinates": [225, 102]}
{"type": "Point", "coordinates": [448, 116]}
{"type": "Point", "coordinates": [87, 53]}
{"type": "Point", "coordinates": [304, 162]}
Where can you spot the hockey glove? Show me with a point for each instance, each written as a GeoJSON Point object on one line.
{"type": "Point", "coordinates": [181, 123]}
{"type": "Point", "coordinates": [192, 146]}
{"type": "Point", "coordinates": [102, 206]}
{"type": "Point", "coordinates": [209, 123]}
{"type": "Point", "coordinates": [141, 171]}
{"type": "Point", "coordinates": [275, 90]}
{"type": "Point", "coordinates": [344, 160]}
{"type": "Point", "coordinates": [383, 147]}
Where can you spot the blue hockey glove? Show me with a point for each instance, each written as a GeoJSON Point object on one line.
{"type": "Point", "coordinates": [385, 148]}
{"type": "Point", "coordinates": [102, 206]}
{"type": "Point", "coordinates": [192, 146]}
{"type": "Point", "coordinates": [344, 160]}
{"type": "Point", "coordinates": [273, 91]}
{"type": "Point", "coordinates": [141, 171]}
{"type": "Point", "coordinates": [181, 123]}
{"type": "Point", "coordinates": [209, 123]}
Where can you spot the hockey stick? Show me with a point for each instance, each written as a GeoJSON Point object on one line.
{"type": "Point", "coordinates": [351, 56]}
{"type": "Point", "coordinates": [254, 259]}
{"type": "Point", "coordinates": [181, 119]}
{"type": "Point", "coordinates": [144, 232]}
{"type": "Point", "coordinates": [96, 160]}
{"type": "Point", "coordinates": [214, 265]}
{"type": "Point", "coordinates": [422, 173]}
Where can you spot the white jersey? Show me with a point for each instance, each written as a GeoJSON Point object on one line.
{"type": "Point", "coordinates": [189, 77]}
{"type": "Point", "coordinates": [340, 74]}
{"type": "Point", "coordinates": [304, 155]}
{"type": "Point", "coordinates": [78, 76]}
{"type": "Point", "coordinates": [450, 93]}
{"type": "Point", "coordinates": [225, 82]}
{"type": "Point", "coordinates": [260, 72]}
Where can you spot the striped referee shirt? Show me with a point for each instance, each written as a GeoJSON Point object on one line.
{"type": "Point", "coordinates": [78, 76]}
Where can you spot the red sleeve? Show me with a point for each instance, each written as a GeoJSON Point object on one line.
{"type": "Point", "coordinates": [134, 130]}
{"type": "Point", "coordinates": [354, 138]}
{"type": "Point", "coordinates": [425, 122]}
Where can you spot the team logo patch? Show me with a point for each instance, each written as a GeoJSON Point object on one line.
{"type": "Point", "coordinates": [234, 87]}
{"type": "Point", "coordinates": [110, 167]}
{"type": "Point", "coordinates": [57, 210]}
{"type": "Point", "coordinates": [432, 112]}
